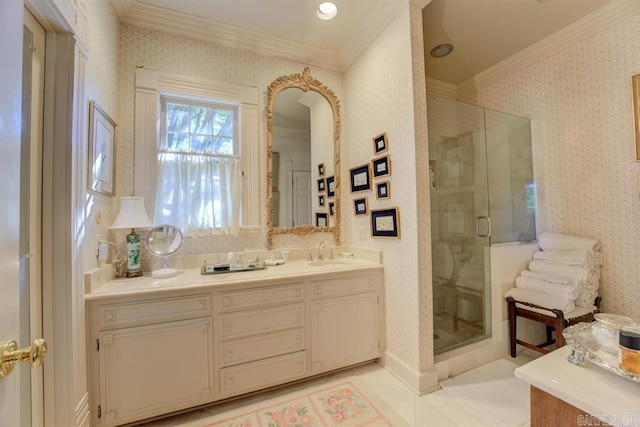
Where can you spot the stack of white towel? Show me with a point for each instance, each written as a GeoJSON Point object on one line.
{"type": "Point", "coordinates": [563, 275]}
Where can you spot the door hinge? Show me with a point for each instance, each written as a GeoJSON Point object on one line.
{"type": "Point", "coordinates": [98, 345]}
{"type": "Point", "coordinates": [99, 411]}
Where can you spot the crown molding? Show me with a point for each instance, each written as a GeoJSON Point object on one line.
{"type": "Point", "coordinates": [603, 18]}
{"type": "Point", "coordinates": [440, 88]}
{"type": "Point", "coordinates": [168, 21]}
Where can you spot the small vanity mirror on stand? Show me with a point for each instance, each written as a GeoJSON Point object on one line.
{"type": "Point", "coordinates": [164, 240]}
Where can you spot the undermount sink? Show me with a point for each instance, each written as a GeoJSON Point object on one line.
{"type": "Point", "coordinates": [320, 263]}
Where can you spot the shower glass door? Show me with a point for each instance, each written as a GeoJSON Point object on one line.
{"type": "Point", "coordinates": [460, 224]}
{"type": "Point", "coordinates": [482, 194]}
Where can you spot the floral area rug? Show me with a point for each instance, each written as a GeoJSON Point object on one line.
{"type": "Point", "coordinates": [347, 402]}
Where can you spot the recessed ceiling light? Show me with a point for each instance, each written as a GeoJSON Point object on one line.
{"type": "Point", "coordinates": [442, 50]}
{"type": "Point", "coordinates": [327, 11]}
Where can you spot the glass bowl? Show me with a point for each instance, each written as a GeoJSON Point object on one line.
{"type": "Point", "coordinates": [607, 327]}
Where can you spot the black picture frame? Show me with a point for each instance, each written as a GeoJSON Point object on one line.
{"type": "Point", "coordinates": [385, 223]}
{"type": "Point", "coordinates": [383, 190]}
{"type": "Point", "coordinates": [381, 166]}
{"type": "Point", "coordinates": [321, 169]}
{"type": "Point", "coordinates": [380, 144]}
{"type": "Point", "coordinates": [322, 219]}
{"type": "Point", "coordinates": [332, 208]}
{"type": "Point", "coordinates": [331, 189]}
{"type": "Point", "coordinates": [321, 185]}
{"type": "Point", "coordinates": [360, 178]}
{"type": "Point", "coordinates": [321, 200]}
{"type": "Point", "coordinates": [360, 206]}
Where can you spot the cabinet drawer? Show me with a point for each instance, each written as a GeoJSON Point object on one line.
{"type": "Point", "coordinates": [265, 373]}
{"type": "Point", "coordinates": [330, 288]}
{"type": "Point", "coordinates": [261, 347]}
{"type": "Point", "coordinates": [153, 311]}
{"type": "Point", "coordinates": [254, 298]}
{"type": "Point", "coordinates": [255, 322]}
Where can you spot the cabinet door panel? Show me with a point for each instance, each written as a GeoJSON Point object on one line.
{"type": "Point", "coordinates": [155, 369]}
{"type": "Point", "coordinates": [344, 331]}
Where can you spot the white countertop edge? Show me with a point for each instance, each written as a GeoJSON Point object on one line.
{"type": "Point", "coordinates": [610, 398]}
{"type": "Point", "coordinates": [192, 279]}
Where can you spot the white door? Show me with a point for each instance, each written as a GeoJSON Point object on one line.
{"type": "Point", "coordinates": [11, 13]}
{"type": "Point", "coordinates": [16, 218]}
{"type": "Point", "coordinates": [301, 197]}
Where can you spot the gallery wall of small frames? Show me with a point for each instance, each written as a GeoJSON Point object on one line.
{"type": "Point", "coordinates": [374, 175]}
{"type": "Point", "coordinates": [326, 192]}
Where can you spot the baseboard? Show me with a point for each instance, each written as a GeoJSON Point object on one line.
{"type": "Point", "coordinates": [419, 382]}
{"type": "Point", "coordinates": [81, 413]}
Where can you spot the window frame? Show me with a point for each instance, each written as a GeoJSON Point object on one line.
{"type": "Point", "coordinates": [150, 85]}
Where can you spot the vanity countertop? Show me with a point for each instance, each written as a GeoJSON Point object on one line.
{"type": "Point", "coordinates": [192, 279]}
{"type": "Point", "coordinates": [612, 399]}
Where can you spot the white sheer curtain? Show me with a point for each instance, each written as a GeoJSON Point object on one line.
{"type": "Point", "coordinates": [201, 194]}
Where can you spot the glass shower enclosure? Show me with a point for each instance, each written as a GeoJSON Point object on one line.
{"type": "Point", "coordinates": [482, 193]}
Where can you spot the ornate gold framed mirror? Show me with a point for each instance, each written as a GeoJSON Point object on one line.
{"type": "Point", "coordinates": [303, 129]}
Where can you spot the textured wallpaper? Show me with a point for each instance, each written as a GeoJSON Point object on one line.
{"type": "Point", "coordinates": [203, 60]}
{"type": "Point", "coordinates": [101, 36]}
{"type": "Point", "coordinates": [379, 98]}
{"type": "Point", "coordinates": [579, 104]}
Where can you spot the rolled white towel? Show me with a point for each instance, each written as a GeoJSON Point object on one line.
{"type": "Point", "coordinates": [566, 242]}
{"type": "Point", "coordinates": [542, 299]}
{"type": "Point", "coordinates": [549, 278]}
{"type": "Point", "coordinates": [468, 271]}
{"type": "Point", "coordinates": [564, 291]}
{"type": "Point", "coordinates": [586, 298]}
{"type": "Point", "coordinates": [569, 271]}
{"type": "Point", "coordinates": [575, 258]}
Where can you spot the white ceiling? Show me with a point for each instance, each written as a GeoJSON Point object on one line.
{"type": "Point", "coordinates": [483, 32]}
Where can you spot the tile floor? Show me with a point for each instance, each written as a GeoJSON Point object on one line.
{"type": "Point", "coordinates": [433, 409]}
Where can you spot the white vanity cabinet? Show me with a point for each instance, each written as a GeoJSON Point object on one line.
{"type": "Point", "coordinates": [150, 357]}
{"type": "Point", "coordinates": [152, 352]}
{"type": "Point", "coordinates": [261, 338]}
{"type": "Point", "coordinates": [346, 322]}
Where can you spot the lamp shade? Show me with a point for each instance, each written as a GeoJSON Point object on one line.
{"type": "Point", "coordinates": [132, 214]}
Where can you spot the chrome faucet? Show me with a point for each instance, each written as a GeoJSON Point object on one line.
{"type": "Point", "coordinates": [320, 249]}
{"type": "Point", "coordinates": [309, 256]}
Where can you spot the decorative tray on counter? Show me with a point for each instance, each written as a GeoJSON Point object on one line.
{"type": "Point", "coordinates": [584, 345]}
{"type": "Point", "coordinates": [207, 269]}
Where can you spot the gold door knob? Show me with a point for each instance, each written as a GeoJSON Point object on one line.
{"type": "Point", "coordinates": [10, 355]}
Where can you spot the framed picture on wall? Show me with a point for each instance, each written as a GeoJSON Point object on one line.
{"type": "Point", "coordinates": [383, 190]}
{"type": "Point", "coordinates": [321, 169]}
{"type": "Point", "coordinates": [380, 144]}
{"type": "Point", "coordinates": [321, 185]}
{"type": "Point", "coordinates": [360, 178]}
{"type": "Point", "coordinates": [385, 223]}
{"type": "Point", "coordinates": [332, 208]}
{"type": "Point", "coordinates": [455, 159]}
{"type": "Point", "coordinates": [360, 206]}
{"type": "Point", "coordinates": [102, 150]}
{"type": "Point", "coordinates": [321, 219]}
{"type": "Point", "coordinates": [381, 166]}
{"type": "Point", "coordinates": [456, 215]}
{"type": "Point", "coordinates": [331, 186]}
{"type": "Point", "coordinates": [321, 200]}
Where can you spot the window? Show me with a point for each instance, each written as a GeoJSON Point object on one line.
{"type": "Point", "coordinates": [199, 172]}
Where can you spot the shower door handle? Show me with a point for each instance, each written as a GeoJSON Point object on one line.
{"type": "Point", "coordinates": [488, 233]}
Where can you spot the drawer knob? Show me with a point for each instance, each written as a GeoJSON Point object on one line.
{"type": "Point", "coordinates": [230, 354]}
{"type": "Point", "coordinates": [230, 380]}
{"type": "Point", "coordinates": [227, 328]}
{"type": "Point", "coordinates": [110, 315]}
{"type": "Point", "coordinates": [299, 340]}
{"type": "Point", "coordinates": [226, 301]}
{"type": "Point", "coordinates": [316, 290]}
{"type": "Point", "coordinates": [202, 305]}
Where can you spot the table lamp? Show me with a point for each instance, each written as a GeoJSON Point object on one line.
{"type": "Point", "coordinates": [132, 215]}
